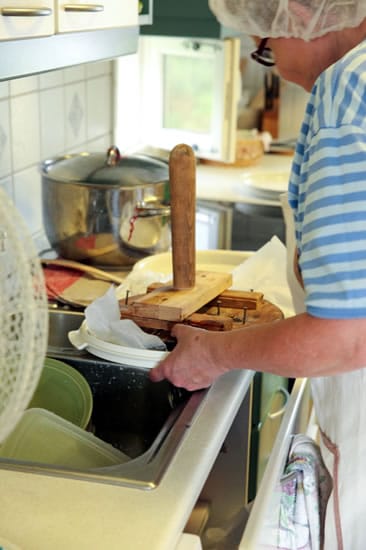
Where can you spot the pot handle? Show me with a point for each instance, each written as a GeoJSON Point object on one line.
{"type": "Point", "coordinates": [143, 210]}
{"type": "Point", "coordinates": [113, 156]}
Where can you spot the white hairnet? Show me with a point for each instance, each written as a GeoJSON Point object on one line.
{"type": "Point", "coordinates": [304, 19]}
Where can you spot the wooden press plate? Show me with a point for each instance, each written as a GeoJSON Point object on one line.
{"type": "Point", "coordinates": [232, 309]}
{"type": "Point", "coordinates": [169, 304]}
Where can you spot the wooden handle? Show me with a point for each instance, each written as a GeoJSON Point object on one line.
{"type": "Point", "coordinates": [93, 271]}
{"type": "Point", "coordinates": [182, 177]}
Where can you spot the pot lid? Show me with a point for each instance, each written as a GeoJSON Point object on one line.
{"type": "Point", "coordinates": [110, 169]}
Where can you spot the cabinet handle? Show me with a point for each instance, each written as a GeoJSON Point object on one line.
{"type": "Point", "coordinates": [280, 412]}
{"type": "Point", "coordinates": [25, 12]}
{"type": "Point", "coordinates": [84, 7]}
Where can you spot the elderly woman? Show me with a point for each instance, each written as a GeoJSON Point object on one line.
{"type": "Point", "coordinates": [321, 46]}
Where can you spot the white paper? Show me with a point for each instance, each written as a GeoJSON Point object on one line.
{"type": "Point", "coordinates": [103, 320]}
{"type": "Point", "coordinates": [266, 272]}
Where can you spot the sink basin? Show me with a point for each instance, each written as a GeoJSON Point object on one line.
{"type": "Point", "coordinates": [143, 419]}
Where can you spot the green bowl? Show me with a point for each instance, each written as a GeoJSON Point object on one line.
{"type": "Point", "coordinates": [64, 391]}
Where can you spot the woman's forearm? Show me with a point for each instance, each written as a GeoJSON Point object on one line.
{"type": "Point", "coordinates": [300, 346]}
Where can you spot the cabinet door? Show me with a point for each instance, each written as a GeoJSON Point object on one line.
{"type": "Point", "coordinates": [79, 16]}
{"type": "Point", "coordinates": [26, 18]}
{"type": "Point", "coordinates": [189, 18]}
{"type": "Point", "coordinates": [270, 396]}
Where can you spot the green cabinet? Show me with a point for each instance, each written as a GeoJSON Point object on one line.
{"type": "Point", "coordinates": [191, 18]}
{"type": "Point", "coordinates": [270, 394]}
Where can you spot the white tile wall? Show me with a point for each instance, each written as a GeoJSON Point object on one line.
{"type": "Point", "coordinates": [5, 138]}
{"type": "Point", "coordinates": [47, 115]}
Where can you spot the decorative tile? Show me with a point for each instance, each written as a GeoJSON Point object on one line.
{"type": "Point", "coordinates": [75, 114]}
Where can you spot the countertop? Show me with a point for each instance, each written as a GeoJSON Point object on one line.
{"type": "Point", "coordinates": [43, 512]}
{"type": "Point", "coordinates": [229, 184]}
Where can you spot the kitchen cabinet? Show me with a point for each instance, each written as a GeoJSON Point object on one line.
{"type": "Point", "coordinates": [37, 55]}
{"type": "Point", "coordinates": [78, 16]}
{"type": "Point", "coordinates": [189, 18]}
{"type": "Point", "coordinates": [115, 34]}
{"type": "Point", "coordinates": [145, 9]}
{"type": "Point", "coordinates": [25, 18]}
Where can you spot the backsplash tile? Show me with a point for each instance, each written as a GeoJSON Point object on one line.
{"type": "Point", "coordinates": [52, 122]}
{"type": "Point", "coordinates": [51, 79]}
{"type": "Point", "coordinates": [99, 98]}
{"type": "Point", "coordinates": [25, 133]}
{"type": "Point", "coordinates": [27, 196]}
{"type": "Point", "coordinates": [24, 85]}
{"type": "Point", "coordinates": [4, 89]}
{"type": "Point", "coordinates": [74, 74]}
{"type": "Point", "coordinates": [5, 153]}
{"type": "Point", "coordinates": [75, 109]}
{"type": "Point", "coordinates": [6, 184]}
{"type": "Point", "coordinates": [47, 115]}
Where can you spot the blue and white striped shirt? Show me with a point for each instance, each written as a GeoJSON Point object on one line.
{"type": "Point", "coordinates": [327, 191]}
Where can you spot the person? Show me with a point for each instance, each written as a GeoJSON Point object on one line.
{"type": "Point", "coordinates": [321, 46]}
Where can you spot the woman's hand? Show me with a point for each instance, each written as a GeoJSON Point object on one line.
{"type": "Point", "coordinates": [191, 365]}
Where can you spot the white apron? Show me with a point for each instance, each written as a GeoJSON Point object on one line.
{"type": "Point", "coordinates": [340, 406]}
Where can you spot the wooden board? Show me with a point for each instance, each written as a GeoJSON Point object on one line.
{"type": "Point", "coordinates": [210, 318]}
{"type": "Point", "coordinates": [218, 315]}
{"type": "Point", "coordinates": [228, 298]}
{"type": "Point", "coordinates": [170, 304]}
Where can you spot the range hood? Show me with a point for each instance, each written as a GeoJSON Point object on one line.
{"type": "Point", "coordinates": [36, 55]}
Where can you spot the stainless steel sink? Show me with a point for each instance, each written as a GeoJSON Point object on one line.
{"type": "Point", "coordinates": [145, 420]}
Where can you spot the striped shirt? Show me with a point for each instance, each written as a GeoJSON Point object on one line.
{"type": "Point", "coordinates": [327, 191]}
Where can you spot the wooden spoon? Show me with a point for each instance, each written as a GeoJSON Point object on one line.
{"type": "Point", "coordinates": [92, 271]}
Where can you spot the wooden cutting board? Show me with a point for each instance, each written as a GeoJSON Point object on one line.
{"type": "Point", "coordinates": [189, 290]}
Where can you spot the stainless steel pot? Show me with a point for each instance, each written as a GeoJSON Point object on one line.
{"type": "Point", "coordinates": [106, 209]}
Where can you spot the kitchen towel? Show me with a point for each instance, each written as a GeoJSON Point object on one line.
{"type": "Point", "coordinates": [304, 491]}
{"type": "Point", "coordinates": [72, 286]}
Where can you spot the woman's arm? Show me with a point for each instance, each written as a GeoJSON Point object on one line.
{"type": "Point", "coordinates": [300, 346]}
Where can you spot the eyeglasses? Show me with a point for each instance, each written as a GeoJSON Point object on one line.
{"type": "Point", "coordinates": [263, 54]}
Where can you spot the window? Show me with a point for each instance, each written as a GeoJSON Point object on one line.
{"type": "Point", "coordinates": [189, 93]}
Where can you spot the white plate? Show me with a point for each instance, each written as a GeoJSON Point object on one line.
{"type": "Point", "coordinates": [135, 357]}
{"type": "Point", "coordinates": [222, 261]}
{"type": "Point", "coordinates": [268, 184]}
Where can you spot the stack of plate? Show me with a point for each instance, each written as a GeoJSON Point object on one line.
{"type": "Point", "coordinates": [266, 186]}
